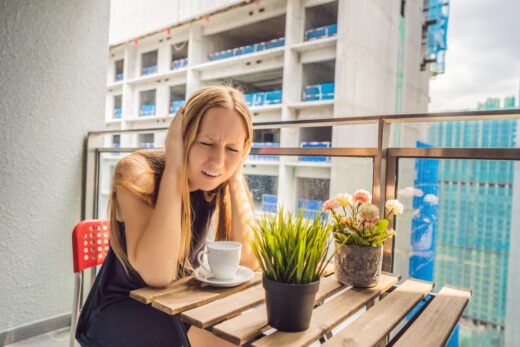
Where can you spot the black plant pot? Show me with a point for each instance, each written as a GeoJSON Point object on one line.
{"type": "Point", "coordinates": [289, 306]}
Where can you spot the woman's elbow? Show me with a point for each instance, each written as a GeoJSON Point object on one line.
{"type": "Point", "coordinates": [157, 280]}
{"type": "Point", "coordinates": [152, 275]}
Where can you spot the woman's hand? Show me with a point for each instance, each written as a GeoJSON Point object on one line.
{"type": "Point", "coordinates": [174, 144]}
{"type": "Point", "coordinates": [240, 168]}
{"type": "Point", "coordinates": [242, 212]}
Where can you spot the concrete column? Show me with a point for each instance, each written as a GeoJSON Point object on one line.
{"type": "Point", "coordinates": [162, 99]}
{"type": "Point", "coordinates": [129, 93]}
{"type": "Point", "coordinates": [289, 137]}
{"type": "Point", "coordinates": [196, 55]}
{"type": "Point", "coordinates": [53, 65]}
{"type": "Point", "coordinates": [163, 91]}
{"type": "Point", "coordinates": [164, 57]}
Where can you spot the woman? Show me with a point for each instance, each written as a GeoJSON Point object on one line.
{"type": "Point", "coordinates": [160, 209]}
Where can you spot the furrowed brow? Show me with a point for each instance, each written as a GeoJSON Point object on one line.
{"type": "Point", "coordinates": [214, 139]}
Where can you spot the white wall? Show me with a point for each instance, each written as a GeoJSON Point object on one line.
{"type": "Point", "coordinates": [53, 63]}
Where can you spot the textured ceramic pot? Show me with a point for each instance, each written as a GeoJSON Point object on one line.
{"type": "Point", "coordinates": [358, 266]}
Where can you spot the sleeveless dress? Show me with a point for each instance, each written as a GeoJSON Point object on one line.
{"type": "Point", "coordinates": [111, 318]}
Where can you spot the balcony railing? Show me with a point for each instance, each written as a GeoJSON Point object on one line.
{"type": "Point", "coordinates": [462, 198]}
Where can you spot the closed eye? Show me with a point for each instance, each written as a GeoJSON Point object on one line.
{"type": "Point", "coordinates": [206, 144]}
{"type": "Point", "coordinates": [233, 150]}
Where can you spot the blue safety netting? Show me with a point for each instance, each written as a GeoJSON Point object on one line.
{"type": "Point", "coordinates": [436, 45]}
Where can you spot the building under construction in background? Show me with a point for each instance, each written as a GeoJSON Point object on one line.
{"type": "Point", "coordinates": [294, 59]}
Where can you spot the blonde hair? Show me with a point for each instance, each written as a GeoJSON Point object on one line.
{"type": "Point", "coordinates": [151, 163]}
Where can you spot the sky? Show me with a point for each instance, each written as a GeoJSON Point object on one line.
{"type": "Point", "coordinates": [483, 57]}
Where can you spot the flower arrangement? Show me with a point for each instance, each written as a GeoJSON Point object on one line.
{"type": "Point", "coordinates": [291, 250]}
{"type": "Point", "coordinates": [356, 221]}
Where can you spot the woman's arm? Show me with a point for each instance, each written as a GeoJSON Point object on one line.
{"type": "Point", "coordinates": [153, 235]}
{"type": "Point", "coordinates": [242, 214]}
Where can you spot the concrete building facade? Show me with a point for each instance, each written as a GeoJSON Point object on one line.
{"type": "Point", "coordinates": [307, 58]}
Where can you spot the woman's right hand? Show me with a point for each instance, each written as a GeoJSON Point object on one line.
{"type": "Point", "coordinates": [174, 144]}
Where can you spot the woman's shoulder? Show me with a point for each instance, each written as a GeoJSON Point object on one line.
{"type": "Point", "coordinates": [132, 170]}
{"type": "Point", "coordinates": [140, 168]}
{"type": "Point", "coordinates": [136, 175]}
{"type": "Point", "coordinates": [141, 161]}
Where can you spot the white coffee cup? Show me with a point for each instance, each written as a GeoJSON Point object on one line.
{"type": "Point", "coordinates": [223, 259]}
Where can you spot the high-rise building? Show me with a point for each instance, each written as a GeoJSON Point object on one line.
{"type": "Point", "coordinates": [464, 239]}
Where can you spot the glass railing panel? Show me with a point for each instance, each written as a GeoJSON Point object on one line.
{"type": "Point", "coordinates": [303, 184]}
{"type": "Point", "coordinates": [295, 184]}
{"type": "Point", "coordinates": [459, 229]}
{"type": "Point", "coordinates": [318, 136]}
{"type": "Point", "coordinates": [352, 136]}
{"type": "Point", "coordinates": [107, 163]}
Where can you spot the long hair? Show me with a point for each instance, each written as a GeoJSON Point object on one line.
{"type": "Point", "coordinates": [151, 164]}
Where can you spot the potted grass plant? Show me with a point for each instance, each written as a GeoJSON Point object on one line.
{"type": "Point", "coordinates": [357, 225]}
{"type": "Point", "coordinates": [293, 252]}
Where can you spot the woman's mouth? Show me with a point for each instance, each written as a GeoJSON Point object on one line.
{"type": "Point", "coordinates": [210, 174]}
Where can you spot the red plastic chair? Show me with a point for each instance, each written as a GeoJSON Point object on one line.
{"type": "Point", "coordinates": [90, 245]}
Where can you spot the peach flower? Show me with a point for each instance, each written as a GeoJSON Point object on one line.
{"type": "Point", "coordinates": [362, 196]}
{"type": "Point", "coordinates": [330, 205]}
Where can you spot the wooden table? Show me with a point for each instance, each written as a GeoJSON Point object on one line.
{"type": "Point", "coordinates": [378, 315]}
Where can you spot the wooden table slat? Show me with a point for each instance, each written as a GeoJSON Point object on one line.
{"type": "Point", "coordinates": [242, 328]}
{"type": "Point", "coordinates": [376, 323]}
{"type": "Point", "coordinates": [329, 315]}
{"type": "Point", "coordinates": [146, 295]}
{"type": "Point", "coordinates": [434, 326]}
{"type": "Point", "coordinates": [173, 303]}
{"type": "Point", "coordinates": [224, 308]}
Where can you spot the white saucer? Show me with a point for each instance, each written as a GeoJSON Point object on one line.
{"type": "Point", "coordinates": [243, 275]}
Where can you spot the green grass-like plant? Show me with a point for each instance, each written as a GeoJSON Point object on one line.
{"type": "Point", "coordinates": [292, 249]}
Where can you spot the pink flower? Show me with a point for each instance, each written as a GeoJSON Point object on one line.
{"type": "Point", "coordinates": [330, 205]}
{"type": "Point", "coordinates": [362, 196]}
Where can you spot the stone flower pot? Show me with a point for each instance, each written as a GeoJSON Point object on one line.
{"type": "Point", "coordinates": [358, 266]}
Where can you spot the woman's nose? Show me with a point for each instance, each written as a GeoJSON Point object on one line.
{"type": "Point", "coordinates": [217, 156]}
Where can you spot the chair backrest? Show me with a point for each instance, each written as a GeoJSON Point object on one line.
{"type": "Point", "coordinates": [90, 243]}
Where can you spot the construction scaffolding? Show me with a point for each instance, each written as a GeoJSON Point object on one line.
{"type": "Point", "coordinates": [435, 33]}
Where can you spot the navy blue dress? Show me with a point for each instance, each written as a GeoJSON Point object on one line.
{"type": "Point", "coordinates": [111, 318]}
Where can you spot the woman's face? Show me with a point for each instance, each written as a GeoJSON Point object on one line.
{"type": "Point", "coordinates": [217, 150]}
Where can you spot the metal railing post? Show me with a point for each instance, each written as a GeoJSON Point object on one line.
{"type": "Point", "coordinates": [379, 176]}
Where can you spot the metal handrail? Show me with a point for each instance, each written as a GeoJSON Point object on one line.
{"type": "Point", "coordinates": [360, 120]}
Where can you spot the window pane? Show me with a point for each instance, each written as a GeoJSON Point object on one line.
{"type": "Point", "coordinates": [304, 181]}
